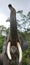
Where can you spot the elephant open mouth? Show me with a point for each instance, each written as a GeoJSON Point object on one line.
{"type": "Point", "coordinates": [13, 49]}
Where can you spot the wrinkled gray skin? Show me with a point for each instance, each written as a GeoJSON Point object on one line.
{"type": "Point", "coordinates": [14, 39]}
{"type": "Point", "coordinates": [24, 47]}
{"type": "Point", "coordinates": [24, 43]}
{"type": "Point", "coordinates": [14, 54]}
{"type": "Point", "coordinates": [1, 59]}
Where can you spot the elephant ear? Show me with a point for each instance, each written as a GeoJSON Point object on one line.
{"type": "Point", "coordinates": [24, 43]}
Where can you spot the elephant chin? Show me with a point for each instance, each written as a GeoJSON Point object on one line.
{"type": "Point", "coordinates": [8, 50]}
{"type": "Point", "coordinates": [20, 51]}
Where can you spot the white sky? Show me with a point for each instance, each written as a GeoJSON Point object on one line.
{"type": "Point", "coordinates": [17, 4]}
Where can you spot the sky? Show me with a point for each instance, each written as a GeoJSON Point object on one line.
{"type": "Point", "coordinates": [17, 4]}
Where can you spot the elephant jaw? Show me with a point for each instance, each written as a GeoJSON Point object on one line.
{"type": "Point", "coordinates": [19, 48]}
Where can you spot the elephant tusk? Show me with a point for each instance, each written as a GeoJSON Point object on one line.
{"type": "Point", "coordinates": [8, 50]}
{"type": "Point", "coordinates": [20, 52]}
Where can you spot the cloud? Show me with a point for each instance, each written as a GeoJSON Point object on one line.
{"type": "Point", "coordinates": [3, 19]}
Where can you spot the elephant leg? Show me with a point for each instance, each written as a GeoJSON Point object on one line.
{"type": "Point", "coordinates": [5, 60]}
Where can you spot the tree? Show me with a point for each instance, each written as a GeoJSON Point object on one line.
{"type": "Point", "coordinates": [25, 20]}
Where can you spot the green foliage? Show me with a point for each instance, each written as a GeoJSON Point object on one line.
{"type": "Point", "coordinates": [25, 57]}
{"type": "Point", "coordinates": [1, 42]}
{"type": "Point", "coordinates": [8, 30]}
{"type": "Point", "coordinates": [26, 53]}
